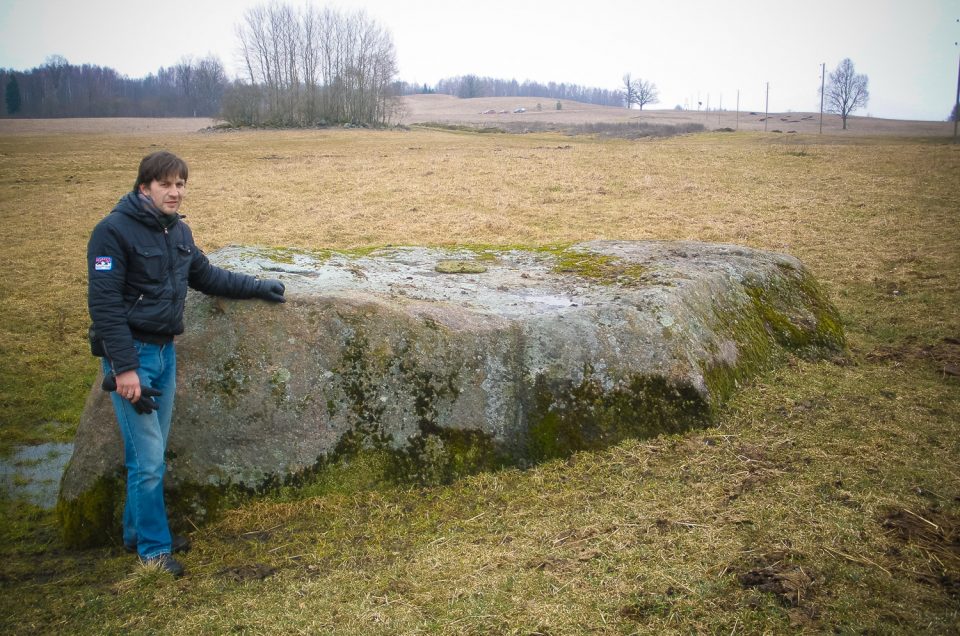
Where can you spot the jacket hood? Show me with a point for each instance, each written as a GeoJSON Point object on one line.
{"type": "Point", "coordinates": [133, 206]}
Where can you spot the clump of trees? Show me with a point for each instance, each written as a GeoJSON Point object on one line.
{"type": "Point", "coordinates": [190, 88]}
{"type": "Point", "coordinates": [468, 86]}
{"type": "Point", "coordinates": [307, 66]}
{"type": "Point", "coordinates": [846, 90]}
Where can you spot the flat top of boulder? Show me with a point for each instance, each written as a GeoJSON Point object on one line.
{"type": "Point", "coordinates": [505, 282]}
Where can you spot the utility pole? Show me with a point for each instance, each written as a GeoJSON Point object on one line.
{"type": "Point", "coordinates": [738, 109]}
{"type": "Point", "coordinates": [823, 73]}
{"type": "Point", "coordinates": [720, 109]}
{"type": "Point", "coordinates": [766, 109]}
{"type": "Point", "coordinates": [956, 103]}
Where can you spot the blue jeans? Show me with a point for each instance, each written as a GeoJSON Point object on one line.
{"type": "Point", "coordinates": [144, 445]}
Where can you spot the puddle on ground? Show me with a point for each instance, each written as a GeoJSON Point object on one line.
{"type": "Point", "coordinates": [32, 473]}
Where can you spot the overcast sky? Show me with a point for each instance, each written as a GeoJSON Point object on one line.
{"type": "Point", "coordinates": [692, 50]}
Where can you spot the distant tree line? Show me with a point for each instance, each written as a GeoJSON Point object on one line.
{"type": "Point", "coordinates": [467, 86]}
{"type": "Point", "coordinates": [191, 88]}
{"type": "Point", "coordinates": [307, 66]}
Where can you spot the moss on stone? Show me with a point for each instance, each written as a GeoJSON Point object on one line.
{"type": "Point", "coordinates": [494, 252]}
{"type": "Point", "coordinates": [287, 255]}
{"type": "Point", "coordinates": [94, 517]}
{"type": "Point", "coordinates": [755, 351]}
{"type": "Point", "coordinates": [365, 414]}
{"type": "Point", "coordinates": [599, 268]}
{"type": "Point", "coordinates": [788, 313]}
{"type": "Point", "coordinates": [460, 267]}
{"type": "Point", "coordinates": [440, 456]}
{"type": "Point", "coordinates": [564, 418]}
{"type": "Point", "coordinates": [798, 314]}
{"type": "Point", "coordinates": [487, 256]}
{"type": "Point", "coordinates": [189, 504]}
{"type": "Point", "coordinates": [602, 269]}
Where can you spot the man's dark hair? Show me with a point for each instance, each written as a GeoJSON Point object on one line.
{"type": "Point", "coordinates": [160, 165]}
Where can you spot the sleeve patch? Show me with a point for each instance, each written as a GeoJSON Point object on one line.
{"type": "Point", "coordinates": [103, 263]}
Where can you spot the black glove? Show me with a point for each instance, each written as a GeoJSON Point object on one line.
{"type": "Point", "coordinates": [145, 405]}
{"type": "Point", "coordinates": [270, 289]}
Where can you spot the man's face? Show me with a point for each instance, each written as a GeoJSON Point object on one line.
{"type": "Point", "coordinates": [166, 193]}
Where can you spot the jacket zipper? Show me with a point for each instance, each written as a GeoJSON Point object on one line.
{"type": "Point", "coordinates": [134, 305]}
{"type": "Point", "coordinates": [103, 343]}
{"type": "Point", "coordinates": [171, 269]}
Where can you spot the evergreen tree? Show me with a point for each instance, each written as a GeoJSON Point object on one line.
{"type": "Point", "coordinates": [13, 96]}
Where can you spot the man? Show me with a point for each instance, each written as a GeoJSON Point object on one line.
{"type": "Point", "coordinates": [140, 260]}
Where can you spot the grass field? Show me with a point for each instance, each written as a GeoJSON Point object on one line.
{"type": "Point", "coordinates": [826, 499]}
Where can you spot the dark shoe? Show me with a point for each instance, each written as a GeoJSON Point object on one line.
{"type": "Point", "coordinates": [165, 563]}
{"type": "Point", "coordinates": [178, 544]}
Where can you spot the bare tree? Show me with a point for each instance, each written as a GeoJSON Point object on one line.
{"type": "Point", "coordinates": [846, 91]}
{"type": "Point", "coordinates": [210, 80]}
{"type": "Point", "coordinates": [647, 93]}
{"type": "Point", "coordinates": [640, 92]}
{"type": "Point", "coordinates": [470, 86]}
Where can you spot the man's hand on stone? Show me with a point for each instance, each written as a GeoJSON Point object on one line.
{"type": "Point", "coordinates": [271, 290]}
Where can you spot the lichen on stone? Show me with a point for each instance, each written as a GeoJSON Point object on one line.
{"type": "Point", "coordinates": [279, 379]}
{"type": "Point", "coordinates": [460, 267]}
{"type": "Point", "coordinates": [231, 377]}
{"type": "Point", "coordinates": [603, 269]}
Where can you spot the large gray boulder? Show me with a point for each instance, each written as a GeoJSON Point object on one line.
{"type": "Point", "coordinates": [440, 362]}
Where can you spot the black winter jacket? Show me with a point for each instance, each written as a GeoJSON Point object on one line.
{"type": "Point", "coordinates": [138, 274]}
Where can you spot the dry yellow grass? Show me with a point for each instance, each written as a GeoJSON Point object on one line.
{"type": "Point", "coordinates": [801, 482]}
{"type": "Point", "coordinates": [846, 209]}
{"type": "Point", "coordinates": [103, 125]}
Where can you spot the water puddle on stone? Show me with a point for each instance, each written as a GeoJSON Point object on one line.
{"type": "Point", "coordinates": [548, 301]}
{"type": "Point", "coordinates": [32, 473]}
